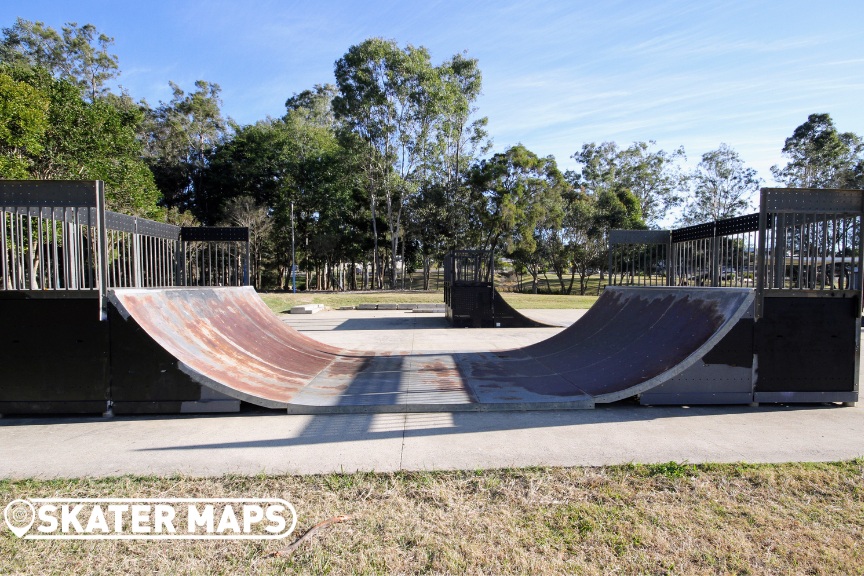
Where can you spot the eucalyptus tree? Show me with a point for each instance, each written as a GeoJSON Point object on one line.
{"type": "Point", "coordinates": [180, 137]}
{"type": "Point", "coordinates": [390, 99]}
{"type": "Point", "coordinates": [440, 214]}
{"type": "Point", "coordinates": [516, 192]}
{"type": "Point", "coordinates": [23, 124]}
{"type": "Point", "coordinates": [821, 157]}
{"type": "Point", "coordinates": [653, 176]}
{"type": "Point", "coordinates": [296, 169]}
{"type": "Point", "coordinates": [79, 54]}
{"type": "Point", "coordinates": [48, 131]}
{"type": "Point", "coordinates": [723, 187]}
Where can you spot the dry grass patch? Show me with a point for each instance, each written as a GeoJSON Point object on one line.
{"type": "Point", "coordinates": [662, 519]}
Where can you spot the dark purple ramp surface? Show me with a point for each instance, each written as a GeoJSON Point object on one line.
{"type": "Point", "coordinates": [631, 340]}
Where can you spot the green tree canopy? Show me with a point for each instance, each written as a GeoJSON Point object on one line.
{"type": "Point", "coordinates": [821, 157]}
{"type": "Point", "coordinates": [514, 192]}
{"type": "Point", "coordinates": [23, 123]}
{"type": "Point", "coordinates": [74, 139]}
{"type": "Point", "coordinates": [723, 187]}
{"type": "Point", "coordinates": [652, 176]}
{"type": "Point", "coordinates": [180, 137]}
{"type": "Point", "coordinates": [78, 54]}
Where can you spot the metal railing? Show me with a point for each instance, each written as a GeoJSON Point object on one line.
{"type": "Point", "coordinates": [50, 236]}
{"type": "Point", "coordinates": [801, 240]}
{"type": "Point", "coordinates": [57, 236]}
{"type": "Point", "coordinates": [639, 258]}
{"type": "Point", "coordinates": [810, 241]}
{"type": "Point", "coordinates": [720, 253]}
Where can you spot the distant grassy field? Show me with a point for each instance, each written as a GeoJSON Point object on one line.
{"type": "Point", "coordinates": [652, 519]}
{"type": "Point", "coordinates": [283, 301]}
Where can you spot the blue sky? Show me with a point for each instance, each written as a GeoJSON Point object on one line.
{"type": "Point", "coordinates": [555, 74]}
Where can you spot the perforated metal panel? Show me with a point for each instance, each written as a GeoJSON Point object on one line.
{"type": "Point", "coordinates": [831, 201]}
{"type": "Point", "coordinates": [78, 193]}
{"type": "Point", "coordinates": [638, 236]}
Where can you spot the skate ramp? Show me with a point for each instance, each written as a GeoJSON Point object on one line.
{"type": "Point", "coordinates": [631, 340]}
{"type": "Point", "coordinates": [507, 316]}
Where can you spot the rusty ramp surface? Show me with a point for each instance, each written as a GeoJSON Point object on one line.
{"type": "Point", "coordinates": [631, 340]}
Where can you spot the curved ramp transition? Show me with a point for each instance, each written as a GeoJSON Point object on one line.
{"type": "Point", "coordinates": [631, 340]}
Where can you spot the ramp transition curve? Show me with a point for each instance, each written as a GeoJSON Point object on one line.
{"type": "Point", "coordinates": [631, 340]}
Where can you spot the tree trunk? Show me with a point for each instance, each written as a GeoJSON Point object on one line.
{"type": "Point", "coordinates": [403, 263]}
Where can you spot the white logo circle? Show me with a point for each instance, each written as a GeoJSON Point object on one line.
{"type": "Point", "coordinates": [19, 515]}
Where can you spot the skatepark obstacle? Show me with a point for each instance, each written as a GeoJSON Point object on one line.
{"type": "Point", "coordinates": [802, 257]}
{"type": "Point", "coordinates": [177, 330]}
{"type": "Point", "coordinates": [470, 296]}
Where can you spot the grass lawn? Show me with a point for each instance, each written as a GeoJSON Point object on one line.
{"type": "Point", "coordinates": [283, 301]}
{"type": "Point", "coordinates": [657, 519]}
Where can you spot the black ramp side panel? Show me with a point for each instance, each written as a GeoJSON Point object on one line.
{"type": "Point", "coordinates": [807, 345]}
{"type": "Point", "coordinates": [143, 372]}
{"type": "Point", "coordinates": [736, 349]}
{"type": "Point", "coordinates": [53, 354]}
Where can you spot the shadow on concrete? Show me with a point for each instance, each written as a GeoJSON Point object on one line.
{"type": "Point", "coordinates": [411, 322]}
{"type": "Point", "coordinates": [341, 428]}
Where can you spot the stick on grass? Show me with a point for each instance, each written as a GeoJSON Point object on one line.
{"type": "Point", "coordinates": [309, 533]}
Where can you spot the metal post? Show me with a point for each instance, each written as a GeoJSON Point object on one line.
{"type": "Point", "coordinates": [293, 261]}
{"type": "Point", "coordinates": [136, 255]}
{"type": "Point", "coordinates": [760, 271]}
{"type": "Point", "coordinates": [180, 260]}
{"type": "Point", "coordinates": [248, 265]}
{"type": "Point", "coordinates": [715, 258]}
{"type": "Point", "coordinates": [671, 259]}
{"type": "Point", "coordinates": [101, 250]}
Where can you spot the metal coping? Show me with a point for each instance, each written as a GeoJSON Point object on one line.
{"type": "Point", "coordinates": [214, 234]}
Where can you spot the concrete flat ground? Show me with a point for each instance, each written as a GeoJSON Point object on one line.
{"type": "Point", "coordinates": [271, 442]}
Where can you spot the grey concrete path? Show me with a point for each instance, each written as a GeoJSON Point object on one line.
{"type": "Point", "coordinates": [272, 442]}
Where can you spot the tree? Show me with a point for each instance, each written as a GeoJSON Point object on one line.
{"type": "Point", "coordinates": [294, 161]}
{"type": "Point", "coordinates": [244, 211]}
{"type": "Point", "coordinates": [581, 245]}
{"type": "Point", "coordinates": [180, 138]}
{"type": "Point", "coordinates": [652, 176]}
{"type": "Point", "coordinates": [439, 214]}
{"type": "Point", "coordinates": [516, 191]}
{"type": "Point", "coordinates": [722, 187]}
{"type": "Point", "coordinates": [821, 157]}
{"type": "Point", "coordinates": [390, 99]}
{"type": "Point", "coordinates": [23, 123]}
{"type": "Point", "coordinates": [75, 139]}
{"type": "Point", "coordinates": [79, 55]}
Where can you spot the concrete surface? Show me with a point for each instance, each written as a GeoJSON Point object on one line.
{"type": "Point", "coordinates": [272, 442]}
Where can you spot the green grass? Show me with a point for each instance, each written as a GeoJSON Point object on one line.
{"type": "Point", "coordinates": [666, 518]}
{"type": "Point", "coordinates": [283, 301]}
